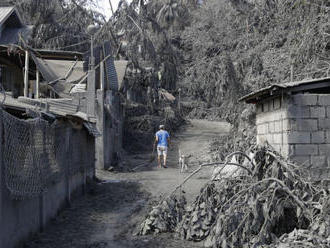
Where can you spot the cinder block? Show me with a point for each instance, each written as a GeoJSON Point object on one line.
{"type": "Point", "coordinates": [266, 106]}
{"type": "Point", "coordinates": [318, 112]}
{"type": "Point", "coordinates": [319, 161]}
{"type": "Point", "coordinates": [277, 103]}
{"type": "Point", "coordinates": [304, 125]}
{"type": "Point", "coordinates": [277, 138]}
{"type": "Point", "coordinates": [305, 99]}
{"type": "Point", "coordinates": [278, 126]}
{"type": "Point", "coordinates": [262, 118]}
{"type": "Point", "coordinates": [279, 115]}
{"type": "Point", "coordinates": [295, 111]}
{"type": "Point", "coordinates": [287, 150]}
{"type": "Point", "coordinates": [324, 149]}
{"type": "Point", "coordinates": [271, 127]}
{"type": "Point", "coordinates": [328, 112]}
{"type": "Point", "coordinates": [262, 128]}
{"type": "Point", "coordinates": [287, 124]}
{"type": "Point", "coordinates": [261, 139]}
{"type": "Point", "coordinates": [324, 100]}
{"type": "Point", "coordinates": [327, 137]}
{"type": "Point", "coordinates": [295, 137]}
{"type": "Point", "coordinates": [324, 123]}
{"type": "Point", "coordinates": [304, 150]}
{"type": "Point", "coordinates": [301, 160]}
{"type": "Point", "coordinates": [277, 147]}
{"type": "Point", "coordinates": [318, 137]}
{"type": "Point", "coordinates": [269, 138]}
{"type": "Point", "coordinates": [259, 108]}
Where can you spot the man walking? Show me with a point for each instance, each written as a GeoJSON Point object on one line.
{"type": "Point", "coordinates": [162, 139]}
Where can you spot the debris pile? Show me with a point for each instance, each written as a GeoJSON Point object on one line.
{"type": "Point", "coordinates": [270, 202]}
{"type": "Point", "coordinates": [165, 216]}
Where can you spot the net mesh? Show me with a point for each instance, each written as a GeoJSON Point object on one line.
{"type": "Point", "coordinates": [35, 155]}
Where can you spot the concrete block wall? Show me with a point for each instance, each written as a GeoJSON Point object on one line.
{"type": "Point", "coordinates": [272, 124]}
{"type": "Point", "coordinates": [21, 218]}
{"type": "Point", "coordinates": [299, 128]}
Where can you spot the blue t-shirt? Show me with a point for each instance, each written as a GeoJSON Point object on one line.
{"type": "Point", "coordinates": [162, 138]}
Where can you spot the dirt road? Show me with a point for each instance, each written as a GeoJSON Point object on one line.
{"type": "Point", "coordinates": [110, 213]}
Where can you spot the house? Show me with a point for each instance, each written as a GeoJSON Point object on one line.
{"type": "Point", "coordinates": [47, 143]}
{"type": "Point", "coordinates": [294, 118]}
{"type": "Point", "coordinates": [52, 110]}
{"type": "Point", "coordinates": [12, 26]}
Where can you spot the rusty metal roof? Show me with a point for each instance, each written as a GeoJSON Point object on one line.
{"type": "Point", "coordinates": [276, 89]}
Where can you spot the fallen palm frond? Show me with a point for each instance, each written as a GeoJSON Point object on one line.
{"type": "Point", "coordinates": [264, 202]}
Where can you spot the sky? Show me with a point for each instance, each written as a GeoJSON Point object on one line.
{"type": "Point", "coordinates": [105, 7]}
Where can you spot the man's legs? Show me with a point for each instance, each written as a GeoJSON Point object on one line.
{"type": "Point", "coordinates": [159, 161]}
{"type": "Point", "coordinates": [165, 157]}
{"type": "Point", "coordinates": [159, 153]}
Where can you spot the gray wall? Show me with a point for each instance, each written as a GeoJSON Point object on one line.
{"type": "Point", "coordinates": [20, 218]}
{"type": "Point", "coordinates": [298, 126]}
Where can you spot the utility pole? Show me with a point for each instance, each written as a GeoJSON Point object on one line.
{"type": "Point", "coordinates": [113, 13]}
{"type": "Point", "coordinates": [91, 96]}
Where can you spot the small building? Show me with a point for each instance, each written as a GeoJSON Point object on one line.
{"type": "Point", "coordinates": [12, 26]}
{"type": "Point", "coordinates": [294, 118]}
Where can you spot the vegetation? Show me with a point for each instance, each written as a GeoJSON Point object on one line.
{"type": "Point", "coordinates": [215, 50]}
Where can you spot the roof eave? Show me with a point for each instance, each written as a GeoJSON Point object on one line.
{"type": "Point", "coordinates": [272, 90]}
{"type": "Point", "coordinates": [14, 9]}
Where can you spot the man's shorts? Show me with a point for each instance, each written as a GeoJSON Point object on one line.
{"type": "Point", "coordinates": [162, 150]}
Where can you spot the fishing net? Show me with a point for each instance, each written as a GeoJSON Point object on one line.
{"type": "Point", "coordinates": [35, 156]}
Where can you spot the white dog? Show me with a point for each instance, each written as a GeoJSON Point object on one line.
{"type": "Point", "coordinates": [183, 161]}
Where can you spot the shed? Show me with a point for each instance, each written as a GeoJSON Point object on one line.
{"type": "Point", "coordinates": [11, 26]}
{"type": "Point", "coordinates": [294, 118]}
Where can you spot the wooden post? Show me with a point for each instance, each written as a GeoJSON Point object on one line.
{"type": "Point", "coordinates": [68, 164]}
{"type": "Point", "coordinates": [26, 74]}
{"type": "Point", "coordinates": [2, 225]}
{"type": "Point", "coordinates": [37, 85]}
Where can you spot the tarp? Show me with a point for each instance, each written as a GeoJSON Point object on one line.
{"type": "Point", "coordinates": [53, 70]}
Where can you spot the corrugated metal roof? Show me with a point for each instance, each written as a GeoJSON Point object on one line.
{"type": "Point", "coordinates": [121, 66]}
{"type": "Point", "coordinates": [5, 13]}
{"type": "Point", "coordinates": [272, 89]}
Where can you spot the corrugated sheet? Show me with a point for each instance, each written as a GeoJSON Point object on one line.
{"type": "Point", "coordinates": [121, 66]}
{"type": "Point", "coordinates": [5, 13]}
{"type": "Point", "coordinates": [111, 77]}
{"type": "Point", "coordinates": [92, 129]}
{"type": "Point", "coordinates": [288, 85]}
{"type": "Point", "coordinates": [110, 68]}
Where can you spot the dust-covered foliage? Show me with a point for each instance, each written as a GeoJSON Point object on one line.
{"type": "Point", "coordinates": [58, 24]}
{"type": "Point", "coordinates": [258, 200]}
{"type": "Point", "coordinates": [267, 42]}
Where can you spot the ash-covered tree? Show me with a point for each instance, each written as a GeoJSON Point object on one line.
{"type": "Point", "coordinates": [59, 24]}
{"type": "Point", "coordinates": [267, 41]}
